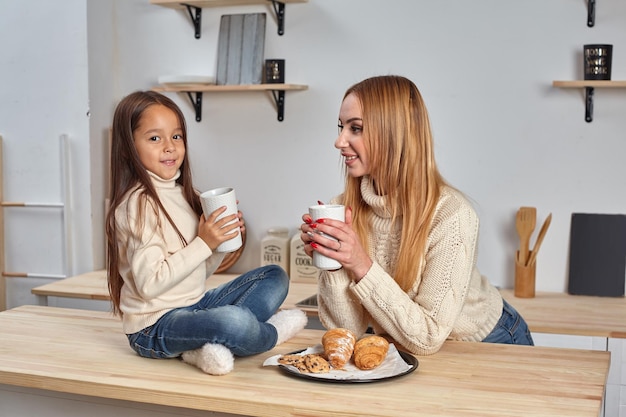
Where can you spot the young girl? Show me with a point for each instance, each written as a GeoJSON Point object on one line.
{"type": "Point", "coordinates": [408, 245]}
{"type": "Point", "coordinates": [161, 251]}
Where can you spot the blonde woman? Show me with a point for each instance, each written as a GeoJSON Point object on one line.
{"type": "Point", "coordinates": [408, 245]}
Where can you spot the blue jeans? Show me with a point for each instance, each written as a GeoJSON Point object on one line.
{"type": "Point", "coordinates": [510, 329]}
{"type": "Point", "coordinates": [233, 314]}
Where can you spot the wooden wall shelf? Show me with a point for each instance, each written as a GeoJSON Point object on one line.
{"type": "Point", "coordinates": [194, 7]}
{"type": "Point", "coordinates": [277, 91]}
{"type": "Point", "coordinates": [589, 86]}
{"type": "Point", "coordinates": [178, 4]}
{"type": "Point", "coordinates": [589, 83]}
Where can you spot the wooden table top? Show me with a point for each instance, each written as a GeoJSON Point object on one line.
{"type": "Point", "coordinates": [93, 286]}
{"type": "Point", "coordinates": [547, 312]}
{"type": "Point", "coordinates": [561, 313]}
{"type": "Point", "coordinates": [84, 352]}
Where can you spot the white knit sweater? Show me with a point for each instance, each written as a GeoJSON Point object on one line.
{"type": "Point", "coordinates": [159, 273]}
{"type": "Point", "coordinates": [450, 299]}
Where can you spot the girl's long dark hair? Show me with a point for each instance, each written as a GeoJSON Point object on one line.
{"type": "Point", "coordinates": [127, 173]}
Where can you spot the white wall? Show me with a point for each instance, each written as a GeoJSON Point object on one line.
{"type": "Point", "coordinates": [103, 64]}
{"type": "Point", "coordinates": [44, 94]}
{"type": "Point", "coordinates": [503, 134]}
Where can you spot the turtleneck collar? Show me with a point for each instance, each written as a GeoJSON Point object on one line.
{"type": "Point", "coordinates": [163, 183]}
{"type": "Point", "coordinates": [375, 201]}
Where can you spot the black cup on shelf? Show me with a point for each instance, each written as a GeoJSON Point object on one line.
{"type": "Point", "coordinates": [597, 59]}
{"type": "Point", "coordinates": [275, 71]}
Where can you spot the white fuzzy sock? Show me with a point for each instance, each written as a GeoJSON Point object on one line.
{"type": "Point", "coordinates": [212, 358]}
{"type": "Point", "coordinates": [288, 323]}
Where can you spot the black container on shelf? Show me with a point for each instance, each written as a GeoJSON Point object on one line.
{"type": "Point", "coordinates": [275, 71]}
{"type": "Point", "coordinates": [597, 61]}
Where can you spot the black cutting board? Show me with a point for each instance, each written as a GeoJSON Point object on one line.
{"type": "Point", "coordinates": [597, 257]}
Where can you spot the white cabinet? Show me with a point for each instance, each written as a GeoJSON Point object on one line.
{"type": "Point", "coordinates": [570, 341]}
{"type": "Point", "coordinates": [615, 397]}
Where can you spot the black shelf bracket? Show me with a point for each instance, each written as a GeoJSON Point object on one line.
{"type": "Point", "coordinates": [195, 13]}
{"type": "Point", "coordinates": [589, 104]}
{"type": "Point", "coordinates": [279, 99]}
{"type": "Point", "coordinates": [278, 95]}
{"type": "Point", "coordinates": [279, 9]}
{"type": "Point", "coordinates": [196, 103]}
{"type": "Point", "coordinates": [591, 13]}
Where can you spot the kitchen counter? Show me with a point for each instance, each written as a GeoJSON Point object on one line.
{"type": "Point", "coordinates": [93, 286]}
{"type": "Point", "coordinates": [547, 312]}
{"type": "Point", "coordinates": [562, 313]}
{"type": "Point", "coordinates": [84, 353]}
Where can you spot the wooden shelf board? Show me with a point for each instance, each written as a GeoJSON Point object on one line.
{"type": "Point", "coordinates": [177, 4]}
{"type": "Point", "coordinates": [227, 88]}
{"type": "Point", "coordinates": [589, 83]}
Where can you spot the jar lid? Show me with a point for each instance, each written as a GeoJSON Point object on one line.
{"type": "Point", "coordinates": [278, 231]}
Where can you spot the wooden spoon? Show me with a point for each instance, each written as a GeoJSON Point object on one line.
{"type": "Point", "coordinates": [542, 233]}
{"type": "Point", "coordinates": [525, 224]}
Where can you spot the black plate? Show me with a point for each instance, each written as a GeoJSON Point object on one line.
{"type": "Point", "coordinates": [408, 358]}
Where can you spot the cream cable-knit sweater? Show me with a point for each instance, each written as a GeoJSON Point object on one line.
{"type": "Point", "coordinates": [159, 273]}
{"type": "Point", "coordinates": [450, 299]}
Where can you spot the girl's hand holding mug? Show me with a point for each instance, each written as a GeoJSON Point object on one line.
{"type": "Point", "coordinates": [216, 231]}
{"type": "Point", "coordinates": [222, 201]}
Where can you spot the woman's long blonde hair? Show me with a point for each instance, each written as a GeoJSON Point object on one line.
{"type": "Point", "coordinates": [398, 138]}
{"type": "Point", "coordinates": [127, 173]}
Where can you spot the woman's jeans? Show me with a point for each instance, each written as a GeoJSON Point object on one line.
{"type": "Point", "coordinates": [233, 315]}
{"type": "Point", "coordinates": [510, 329]}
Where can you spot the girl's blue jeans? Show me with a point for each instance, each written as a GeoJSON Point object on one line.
{"type": "Point", "coordinates": [233, 314]}
{"type": "Point", "coordinates": [510, 329]}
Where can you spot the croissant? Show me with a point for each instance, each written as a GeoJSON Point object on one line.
{"type": "Point", "coordinates": [338, 346]}
{"type": "Point", "coordinates": [370, 351]}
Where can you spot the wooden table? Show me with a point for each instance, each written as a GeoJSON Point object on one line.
{"type": "Point", "coordinates": [85, 353]}
{"type": "Point", "coordinates": [547, 312]}
{"type": "Point", "coordinates": [93, 286]}
{"type": "Point", "coordinates": [562, 313]}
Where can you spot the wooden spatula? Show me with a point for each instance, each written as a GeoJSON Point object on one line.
{"type": "Point", "coordinates": [525, 224]}
{"type": "Point", "coordinates": [540, 236]}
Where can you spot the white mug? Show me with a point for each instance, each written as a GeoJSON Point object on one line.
{"type": "Point", "coordinates": [327, 211]}
{"type": "Point", "coordinates": [216, 198]}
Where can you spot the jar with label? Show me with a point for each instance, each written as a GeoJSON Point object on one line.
{"type": "Point", "coordinates": [275, 248]}
{"type": "Point", "coordinates": [301, 265]}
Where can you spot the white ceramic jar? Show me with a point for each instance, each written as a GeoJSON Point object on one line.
{"type": "Point", "coordinates": [301, 265]}
{"type": "Point", "coordinates": [275, 248]}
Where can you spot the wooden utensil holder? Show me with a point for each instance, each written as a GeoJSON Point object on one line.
{"type": "Point", "coordinates": [524, 278]}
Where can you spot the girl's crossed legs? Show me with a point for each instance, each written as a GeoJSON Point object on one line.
{"type": "Point", "coordinates": [233, 315]}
